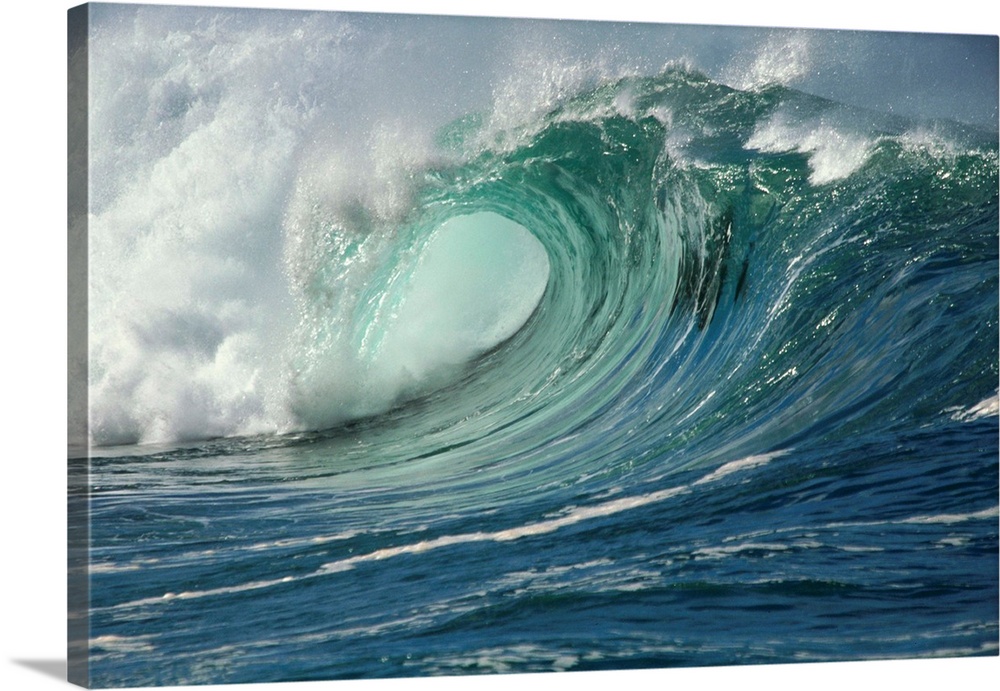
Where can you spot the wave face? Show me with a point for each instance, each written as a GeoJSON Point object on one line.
{"type": "Point", "coordinates": [604, 335]}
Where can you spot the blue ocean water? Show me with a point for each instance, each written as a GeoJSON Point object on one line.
{"type": "Point", "coordinates": [576, 365]}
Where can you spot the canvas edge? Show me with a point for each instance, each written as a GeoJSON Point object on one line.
{"type": "Point", "coordinates": [78, 461]}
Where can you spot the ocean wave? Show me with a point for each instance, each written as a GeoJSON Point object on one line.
{"type": "Point", "coordinates": [702, 258]}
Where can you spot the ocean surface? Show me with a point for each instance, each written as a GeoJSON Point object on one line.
{"type": "Point", "coordinates": [426, 346]}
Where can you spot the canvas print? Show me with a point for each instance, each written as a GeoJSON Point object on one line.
{"type": "Point", "coordinates": [409, 346]}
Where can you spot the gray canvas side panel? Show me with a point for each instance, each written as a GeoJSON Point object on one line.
{"type": "Point", "coordinates": [78, 508]}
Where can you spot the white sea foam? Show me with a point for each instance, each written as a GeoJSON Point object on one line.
{"type": "Point", "coordinates": [988, 407]}
{"type": "Point", "coordinates": [742, 464]}
{"type": "Point", "coordinates": [194, 139]}
{"type": "Point", "coordinates": [834, 153]}
{"type": "Point", "coordinates": [951, 518]}
{"type": "Point", "coordinates": [503, 660]}
{"type": "Point", "coordinates": [930, 519]}
{"type": "Point", "coordinates": [727, 550]}
{"type": "Point", "coordinates": [123, 644]}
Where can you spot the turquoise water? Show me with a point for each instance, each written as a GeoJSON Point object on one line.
{"type": "Point", "coordinates": [659, 369]}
